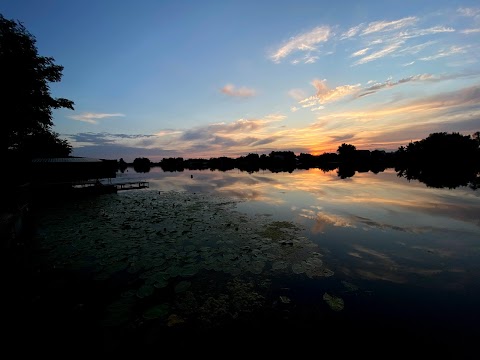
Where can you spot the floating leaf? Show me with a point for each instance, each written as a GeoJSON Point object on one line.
{"type": "Point", "coordinates": [157, 311]}
{"type": "Point", "coordinates": [145, 290]}
{"type": "Point", "coordinates": [327, 272]}
{"type": "Point", "coordinates": [279, 265]}
{"type": "Point", "coordinates": [349, 286]}
{"type": "Point", "coordinates": [298, 268]}
{"type": "Point", "coordinates": [182, 286]}
{"type": "Point", "coordinates": [189, 270]}
{"type": "Point", "coordinates": [160, 283]}
{"type": "Point", "coordinates": [335, 303]}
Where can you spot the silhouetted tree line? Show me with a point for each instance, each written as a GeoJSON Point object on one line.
{"type": "Point", "coordinates": [142, 165]}
{"type": "Point", "coordinates": [440, 160]}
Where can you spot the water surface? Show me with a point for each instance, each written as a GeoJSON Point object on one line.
{"type": "Point", "coordinates": [399, 257]}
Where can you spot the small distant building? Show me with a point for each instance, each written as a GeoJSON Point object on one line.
{"type": "Point", "coordinates": [72, 169]}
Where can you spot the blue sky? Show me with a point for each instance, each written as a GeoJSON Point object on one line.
{"type": "Point", "coordinates": [211, 78]}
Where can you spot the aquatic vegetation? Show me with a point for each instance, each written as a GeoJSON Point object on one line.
{"type": "Point", "coordinates": [173, 243]}
{"type": "Point", "coordinates": [335, 303]}
{"type": "Point", "coordinates": [349, 286]}
{"type": "Point", "coordinates": [157, 311]}
{"type": "Point", "coordinates": [182, 286]}
{"type": "Point", "coordinates": [174, 320]}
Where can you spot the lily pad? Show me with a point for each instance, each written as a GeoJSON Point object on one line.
{"type": "Point", "coordinates": [182, 286]}
{"type": "Point", "coordinates": [335, 303]}
{"type": "Point", "coordinates": [349, 286]}
{"type": "Point", "coordinates": [157, 311]}
{"type": "Point", "coordinates": [279, 265]}
{"type": "Point", "coordinates": [298, 268]}
{"type": "Point", "coordinates": [145, 290]}
{"type": "Point", "coordinates": [160, 283]}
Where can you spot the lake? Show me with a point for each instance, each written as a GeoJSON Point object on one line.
{"type": "Point", "coordinates": [372, 259]}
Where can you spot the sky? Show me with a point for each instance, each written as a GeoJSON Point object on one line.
{"type": "Point", "coordinates": [201, 79]}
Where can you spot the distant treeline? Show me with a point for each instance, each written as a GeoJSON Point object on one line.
{"type": "Point", "coordinates": [427, 160]}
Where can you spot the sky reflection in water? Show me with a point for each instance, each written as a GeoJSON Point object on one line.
{"type": "Point", "coordinates": [372, 226]}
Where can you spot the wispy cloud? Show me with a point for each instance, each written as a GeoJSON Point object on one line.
{"type": "Point", "coordinates": [241, 125]}
{"type": "Point", "coordinates": [342, 138]}
{"type": "Point", "coordinates": [105, 139]}
{"type": "Point", "coordinates": [231, 90]}
{"type": "Point", "coordinates": [379, 54]}
{"type": "Point", "coordinates": [351, 32]}
{"type": "Point", "coordinates": [415, 49]}
{"type": "Point", "coordinates": [469, 12]}
{"type": "Point", "coordinates": [470, 31]}
{"type": "Point", "coordinates": [388, 84]}
{"type": "Point", "coordinates": [273, 117]}
{"type": "Point", "coordinates": [422, 32]}
{"type": "Point", "coordinates": [167, 132]}
{"type": "Point", "coordinates": [378, 39]}
{"type": "Point", "coordinates": [382, 26]}
{"type": "Point", "coordinates": [92, 118]}
{"type": "Point", "coordinates": [453, 50]}
{"type": "Point", "coordinates": [309, 59]}
{"type": "Point", "coordinates": [297, 94]}
{"type": "Point", "coordinates": [239, 132]}
{"type": "Point", "coordinates": [360, 52]}
{"type": "Point", "coordinates": [307, 41]}
{"type": "Point", "coordinates": [325, 95]}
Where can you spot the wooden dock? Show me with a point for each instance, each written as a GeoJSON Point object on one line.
{"type": "Point", "coordinates": [102, 188]}
{"type": "Point", "coordinates": [131, 185]}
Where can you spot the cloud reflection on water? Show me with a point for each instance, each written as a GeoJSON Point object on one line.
{"type": "Point", "coordinates": [381, 201]}
{"type": "Point", "coordinates": [383, 227]}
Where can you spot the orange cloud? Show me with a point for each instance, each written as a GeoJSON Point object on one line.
{"type": "Point", "coordinates": [325, 95]}
{"type": "Point", "coordinates": [231, 90]}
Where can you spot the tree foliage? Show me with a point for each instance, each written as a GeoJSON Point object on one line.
{"type": "Point", "coordinates": [443, 148]}
{"type": "Point", "coordinates": [346, 151]}
{"type": "Point", "coordinates": [142, 164]}
{"type": "Point", "coordinates": [25, 94]}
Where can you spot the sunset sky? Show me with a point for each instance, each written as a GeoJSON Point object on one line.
{"type": "Point", "coordinates": [211, 78]}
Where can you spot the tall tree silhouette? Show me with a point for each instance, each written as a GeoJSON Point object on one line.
{"type": "Point", "coordinates": [26, 102]}
{"type": "Point", "coordinates": [346, 152]}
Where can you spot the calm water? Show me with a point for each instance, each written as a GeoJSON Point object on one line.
{"type": "Point", "coordinates": [405, 257]}
{"type": "Point", "coordinates": [416, 248]}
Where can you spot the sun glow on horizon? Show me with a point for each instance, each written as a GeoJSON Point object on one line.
{"type": "Point", "coordinates": [304, 83]}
